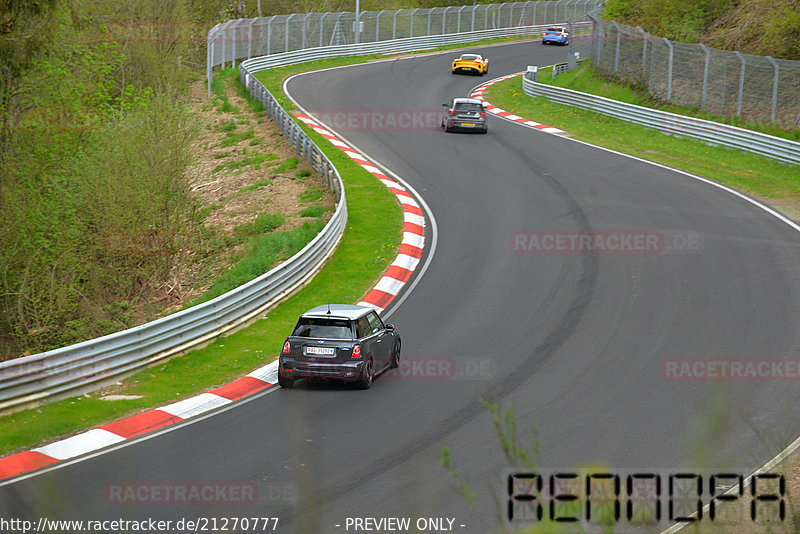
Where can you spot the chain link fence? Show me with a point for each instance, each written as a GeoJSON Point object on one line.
{"type": "Point", "coordinates": [755, 88]}
{"type": "Point", "coordinates": [246, 38]}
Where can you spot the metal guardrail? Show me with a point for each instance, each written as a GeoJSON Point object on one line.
{"type": "Point", "coordinates": [711, 132]}
{"type": "Point", "coordinates": [246, 38]}
{"type": "Point", "coordinates": [89, 365]}
{"type": "Point", "coordinates": [398, 46]}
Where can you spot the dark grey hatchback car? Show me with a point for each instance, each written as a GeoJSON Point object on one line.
{"type": "Point", "coordinates": [339, 342]}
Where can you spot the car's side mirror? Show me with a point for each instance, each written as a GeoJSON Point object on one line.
{"type": "Point", "coordinates": [390, 326]}
{"type": "Point", "coordinates": [484, 105]}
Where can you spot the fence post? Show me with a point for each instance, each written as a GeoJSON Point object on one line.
{"type": "Point", "coordinates": [209, 60]}
{"type": "Point", "coordinates": [444, 20]}
{"type": "Point", "coordinates": [394, 24]}
{"type": "Point", "coordinates": [669, 69]}
{"type": "Point", "coordinates": [705, 76]}
{"type": "Point", "coordinates": [322, 27]}
{"type": "Point", "coordinates": [458, 25]}
{"type": "Point", "coordinates": [286, 43]}
{"type": "Point", "coordinates": [269, 35]}
{"type": "Point", "coordinates": [430, 15]}
{"type": "Point", "coordinates": [616, 53]}
{"type": "Point", "coordinates": [774, 88]}
{"type": "Point", "coordinates": [472, 24]}
{"type": "Point", "coordinates": [378, 26]}
{"type": "Point", "coordinates": [250, 39]}
{"type": "Point", "coordinates": [233, 46]}
{"type": "Point", "coordinates": [741, 84]}
{"type": "Point", "coordinates": [535, 4]}
{"type": "Point", "coordinates": [305, 23]}
{"type": "Point", "coordinates": [644, 50]}
{"type": "Point", "coordinates": [411, 25]}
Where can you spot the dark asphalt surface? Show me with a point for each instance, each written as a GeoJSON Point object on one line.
{"type": "Point", "coordinates": [573, 343]}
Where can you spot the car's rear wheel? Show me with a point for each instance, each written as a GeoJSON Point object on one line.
{"type": "Point", "coordinates": [285, 381]}
{"type": "Point", "coordinates": [395, 357]}
{"type": "Point", "coordinates": [367, 375]}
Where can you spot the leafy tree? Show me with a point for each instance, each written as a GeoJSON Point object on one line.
{"type": "Point", "coordinates": [26, 28]}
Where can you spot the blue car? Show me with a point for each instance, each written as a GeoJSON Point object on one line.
{"type": "Point", "coordinates": [557, 35]}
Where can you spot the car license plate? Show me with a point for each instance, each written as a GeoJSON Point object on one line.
{"type": "Point", "coordinates": [320, 350]}
{"type": "Point", "coordinates": [467, 124]}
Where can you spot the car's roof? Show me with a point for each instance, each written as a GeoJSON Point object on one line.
{"type": "Point", "coordinates": [467, 100]}
{"type": "Point", "coordinates": [471, 54]}
{"type": "Point", "coordinates": [339, 311]}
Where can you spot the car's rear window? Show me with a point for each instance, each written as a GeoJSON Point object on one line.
{"type": "Point", "coordinates": [467, 106]}
{"type": "Point", "coordinates": [322, 327]}
{"type": "Point", "coordinates": [556, 30]}
{"type": "Point", "coordinates": [469, 57]}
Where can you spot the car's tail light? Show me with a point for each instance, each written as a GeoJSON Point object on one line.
{"type": "Point", "coordinates": [483, 114]}
{"type": "Point", "coordinates": [287, 349]}
{"type": "Point", "coordinates": [356, 352]}
{"type": "Point", "coordinates": [453, 112]}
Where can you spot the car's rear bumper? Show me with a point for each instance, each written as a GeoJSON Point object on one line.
{"type": "Point", "coordinates": [467, 70]}
{"type": "Point", "coordinates": [346, 371]}
{"type": "Point", "coordinates": [556, 40]}
{"type": "Point", "coordinates": [467, 124]}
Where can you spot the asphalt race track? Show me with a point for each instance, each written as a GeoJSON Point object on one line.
{"type": "Point", "coordinates": [577, 344]}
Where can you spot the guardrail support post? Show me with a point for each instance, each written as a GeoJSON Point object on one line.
{"type": "Point", "coordinates": [774, 88]}
{"type": "Point", "coordinates": [741, 84]}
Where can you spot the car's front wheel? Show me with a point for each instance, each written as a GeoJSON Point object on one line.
{"type": "Point", "coordinates": [395, 357]}
{"type": "Point", "coordinates": [367, 376]}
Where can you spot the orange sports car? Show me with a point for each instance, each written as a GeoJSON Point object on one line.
{"type": "Point", "coordinates": [471, 63]}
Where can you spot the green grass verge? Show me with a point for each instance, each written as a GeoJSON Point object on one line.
{"type": "Point", "coordinates": [586, 79]}
{"type": "Point", "coordinates": [752, 173]}
{"type": "Point", "coordinates": [373, 232]}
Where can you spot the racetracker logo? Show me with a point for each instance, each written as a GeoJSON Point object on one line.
{"type": "Point", "coordinates": [380, 120]}
{"type": "Point", "coordinates": [444, 368]}
{"type": "Point", "coordinates": [182, 493]}
{"type": "Point", "coordinates": [739, 369]}
{"type": "Point", "coordinates": [604, 242]}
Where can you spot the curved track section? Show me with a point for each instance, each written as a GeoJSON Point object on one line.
{"type": "Point", "coordinates": [575, 342]}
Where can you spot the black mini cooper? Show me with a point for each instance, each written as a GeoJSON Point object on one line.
{"type": "Point", "coordinates": [339, 342]}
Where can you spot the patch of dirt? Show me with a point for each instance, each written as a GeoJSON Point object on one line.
{"type": "Point", "coordinates": [788, 206]}
{"type": "Point", "coordinates": [230, 182]}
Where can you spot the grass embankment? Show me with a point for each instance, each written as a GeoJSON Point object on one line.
{"type": "Point", "coordinates": [757, 175]}
{"type": "Point", "coordinates": [372, 235]}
